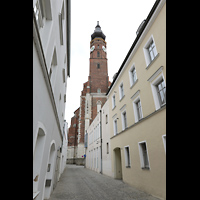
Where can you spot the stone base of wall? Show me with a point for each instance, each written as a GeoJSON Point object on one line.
{"type": "Point", "coordinates": [77, 161]}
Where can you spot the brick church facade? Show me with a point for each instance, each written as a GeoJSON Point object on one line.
{"type": "Point", "coordinates": [93, 96]}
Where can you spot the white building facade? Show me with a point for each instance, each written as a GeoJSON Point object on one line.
{"type": "Point", "coordinates": [106, 150]}
{"type": "Point", "coordinates": [97, 143]}
{"type": "Point", "coordinates": [51, 68]}
{"type": "Point", "coordinates": [64, 148]}
{"type": "Point", "coordinates": [93, 150]}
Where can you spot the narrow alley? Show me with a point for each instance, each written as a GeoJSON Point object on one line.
{"type": "Point", "coordinates": [80, 183]}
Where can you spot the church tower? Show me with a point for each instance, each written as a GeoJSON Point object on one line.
{"type": "Point", "coordinates": [93, 95]}
{"type": "Point", "coordinates": [98, 62]}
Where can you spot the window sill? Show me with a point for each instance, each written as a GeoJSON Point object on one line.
{"type": "Point", "coordinates": [145, 168]}
{"type": "Point", "coordinates": [134, 83]}
{"type": "Point", "coordinates": [128, 166]}
{"type": "Point", "coordinates": [122, 98]}
{"type": "Point", "coordinates": [35, 194]}
{"type": "Point", "coordinates": [152, 61]}
{"type": "Point", "coordinates": [113, 108]}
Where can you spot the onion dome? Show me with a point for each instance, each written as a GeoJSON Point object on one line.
{"type": "Point", "coordinates": [98, 32]}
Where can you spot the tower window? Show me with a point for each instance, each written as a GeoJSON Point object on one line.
{"type": "Point", "coordinates": [98, 54]}
{"type": "Point", "coordinates": [98, 66]}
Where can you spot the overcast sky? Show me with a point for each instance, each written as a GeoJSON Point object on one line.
{"type": "Point", "coordinates": [119, 21]}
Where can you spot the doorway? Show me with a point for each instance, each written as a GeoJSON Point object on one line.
{"type": "Point", "coordinates": [117, 163]}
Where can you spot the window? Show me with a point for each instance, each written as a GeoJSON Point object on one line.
{"type": "Point", "coordinates": [139, 110]}
{"type": "Point", "coordinates": [38, 10]}
{"type": "Point", "coordinates": [53, 69]}
{"type": "Point", "coordinates": [98, 90]}
{"type": "Point", "coordinates": [124, 121]}
{"type": "Point", "coordinates": [98, 66]}
{"type": "Point", "coordinates": [113, 102]}
{"type": "Point", "coordinates": [127, 157]}
{"type": "Point", "coordinates": [164, 142]}
{"type": "Point", "coordinates": [137, 107]}
{"type": "Point", "coordinates": [158, 87]}
{"type": "Point", "coordinates": [115, 126]}
{"type": "Point", "coordinates": [43, 11]}
{"type": "Point", "coordinates": [61, 28]}
{"type": "Point", "coordinates": [99, 105]}
{"type": "Point", "coordinates": [98, 54]}
{"type": "Point", "coordinates": [121, 91]}
{"type": "Point", "coordinates": [144, 160]}
{"type": "Point", "coordinates": [150, 51]}
{"type": "Point", "coordinates": [106, 119]}
{"type": "Point", "coordinates": [132, 76]}
{"type": "Point", "coordinates": [63, 73]}
{"type": "Point", "coordinates": [50, 72]}
{"type": "Point", "coordinates": [161, 92]}
{"type": "Point", "coordinates": [107, 147]}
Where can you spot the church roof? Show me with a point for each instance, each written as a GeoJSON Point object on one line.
{"type": "Point", "coordinates": [98, 32]}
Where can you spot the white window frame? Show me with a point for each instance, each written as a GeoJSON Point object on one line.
{"type": "Point", "coordinates": [154, 80]}
{"type": "Point", "coordinates": [124, 122]}
{"type": "Point", "coordinates": [121, 90]}
{"type": "Point", "coordinates": [43, 11]}
{"type": "Point", "coordinates": [132, 82]}
{"type": "Point", "coordinates": [164, 142]}
{"type": "Point", "coordinates": [115, 127]}
{"type": "Point", "coordinates": [99, 103]}
{"type": "Point", "coordinates": [61, 27]}
{"type": "Point", "coordinates": [107, 147]}
{"type": "Point", "coordinates": [142, 164]}
{"type": "Point", "coordinates": [135, 110]}
{"type": "Point", "coordinates": [38, 13]}
{"type": "Point", "coordinates": [53, 69]}
{"type": "Point", "coordinates": [127, 161]}
{"type": "Point", "coordinates": [113, 101]}
{"type": "Point", "coordinates": [146, 51]}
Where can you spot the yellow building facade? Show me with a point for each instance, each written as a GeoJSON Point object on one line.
{"type": "Point", "coordinates": [137, 111]}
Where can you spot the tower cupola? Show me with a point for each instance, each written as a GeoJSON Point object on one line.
{"type": "Point", "coordinates": [98, 32]}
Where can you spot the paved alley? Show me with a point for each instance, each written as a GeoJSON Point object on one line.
{"type": "Point", "coordinates": [79, 183]}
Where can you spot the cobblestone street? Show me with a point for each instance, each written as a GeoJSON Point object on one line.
{"type": "Point", "coordinates": [80, 183]}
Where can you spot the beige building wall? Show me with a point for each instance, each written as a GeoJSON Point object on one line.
{"type": "Point", "coordinates": [151, 128]}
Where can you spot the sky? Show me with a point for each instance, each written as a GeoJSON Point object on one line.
{"type": "Point", "coordinates": [119, 21]}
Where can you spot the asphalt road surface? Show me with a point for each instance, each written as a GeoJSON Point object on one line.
{"type": "Point", "coordinates": [79, 183]}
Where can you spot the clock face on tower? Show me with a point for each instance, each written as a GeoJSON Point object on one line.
{"type": "Point", "coordinates": [92, 48]}
{"type": "Point", "coordinates": [104, 48]}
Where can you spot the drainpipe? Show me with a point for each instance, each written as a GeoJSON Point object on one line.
{"type": "Point", "coordinates": [101, 140]}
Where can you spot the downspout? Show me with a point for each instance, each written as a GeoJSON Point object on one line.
{"type": "Point", "coordinates": [101, 141]}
